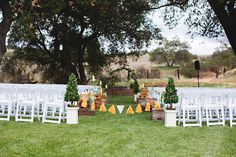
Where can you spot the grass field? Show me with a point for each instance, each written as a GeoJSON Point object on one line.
{"type": "Point", "coordinates": [183, 82]}
{"type": "Point", "coordinates": [106, 135]}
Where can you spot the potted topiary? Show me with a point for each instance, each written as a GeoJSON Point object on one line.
{"type": "Point", "coordinates": [170, 97]}
{"type": "Point", "coordinates": [71, 99]}
{"type": "Point", "coordinates": [135, 87]}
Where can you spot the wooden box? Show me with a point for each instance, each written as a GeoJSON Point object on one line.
{"type": "Point", "coordinates": [86, 112]}
{"type": "Point", "coordinates": [158, 114]}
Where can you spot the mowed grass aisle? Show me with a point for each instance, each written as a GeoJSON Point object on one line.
{"type": "Point", "coordinates": [115, 135]}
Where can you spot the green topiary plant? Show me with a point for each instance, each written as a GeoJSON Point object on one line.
{"type": "Point", "coordinates": [72, 90]}
{"type": "Point", "coordinates": [170, 95]}
{"type": "Point", "coordinates": [135, 86]}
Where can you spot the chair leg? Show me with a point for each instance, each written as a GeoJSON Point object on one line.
{"type": "Point", "coordinates": [17, 111]}
{"type": "Point", "coordinates": [44, 113]}
{"type": "Point", "coordinates": [223, 116]}
{"type": "Point", "coordinates": [200, 117]}
{"type": "Point", "coordinates": [207, 117]}
{"type": "Point", "coordinates": [32, 113]}
{"type": "Point", "coordinates": [230, 117]}
{"type": "Point", "coordinates": [183, 117]}
{"type": "Point", "coordinates": [38, 108]}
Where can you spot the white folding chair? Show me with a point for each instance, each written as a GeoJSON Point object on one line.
{"type": "Point", "coordinates": [13, 90]}
{"type": "Point", "coordinates": [26, 102]}
{"type": "Point", "coordinates": [40, 98]}
{"type": "Point", "coordinates": [5, 103]}
{"type": "Point", "coordinates": [191, 107]}
{"type": "Point", "coordinates": [53, 106]}
{"type": "Point", "coordinates": [214, 108]}
{"type": "Point", "coordinates": [231, 108]}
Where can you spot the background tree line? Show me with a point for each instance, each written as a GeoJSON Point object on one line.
{"type": "Point", "coordinates": [175, 52]}
{"type": "Point", "coordinates": [92, 32]}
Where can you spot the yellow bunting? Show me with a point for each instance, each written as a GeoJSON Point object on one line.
{"type": "Point", "coordinates": [84, 103]}
{"type": "Point", "coordinates": [103, 108]}
{"type": "Point", "coordinates": [138, 108]}
{"type": "Point", "coordinates": [157, 106]}
{"type": "Point", "coordinates": [93, 106]}
{"type": "Point", "coordinates": [112, 109]}
{"type": "Point", "coordinates": [147, 107]}
{"type": "Point", "coordinates": [129, 110]}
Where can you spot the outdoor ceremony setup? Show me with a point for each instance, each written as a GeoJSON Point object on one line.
{"type": "Point", "coordinates": [26, 102]}
{"type": "Point", "coordinates": [211, 105]}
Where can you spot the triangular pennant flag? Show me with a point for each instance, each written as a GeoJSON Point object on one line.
{"type": "Point", "coordinates": [112, 109]}
{"type": "Point", "coordinates": [93, 106]}
{"type": "Point", "coordinates": [157, 106]}
{"type": "Point", "coordinates": [84, 103]}
{"type": "Point", "coordinates": [103, 108]}
{"type": "Point", "coordinates": [129, 110]}
{"type": "Point", "coordinates": [120, 108]}
{"type": "Point", "coordinates": [147, 107]}
{"type": "Point", "coordinates": [138, 108]}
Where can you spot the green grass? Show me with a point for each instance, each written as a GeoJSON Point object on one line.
{"type": "Point", "coordinates": [184, 83]}
{"type": "Point", "coordinates": [106, 135]}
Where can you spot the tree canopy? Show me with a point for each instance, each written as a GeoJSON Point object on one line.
{"type": "Point", "coordinates": [171, 51]}
{"type": "Point", "coordinates": [88, 31]}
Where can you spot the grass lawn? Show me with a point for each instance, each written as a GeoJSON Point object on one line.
{"type": "Point", "coordinates": [107, 135]}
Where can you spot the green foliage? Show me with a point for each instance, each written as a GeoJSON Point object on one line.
{"type": "Point", "coordinates": [188, 70]}
{"type": "Point", "coordinates": [135, 86]}
{"type": "Point", "coordinates": [89, 31]}
{"type": "Point", "coordinates": [222, 59]}
{"type": "Point", "coordinates": [72, 89]}
{"type": "Point", "coordinates": [170, 95]}
{"type": "Point", "coordinates": [184, 57]}
{"type": "Point", "coordinates": [171, 52]}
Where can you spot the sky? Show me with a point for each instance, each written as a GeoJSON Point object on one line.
{"type": "Point", "coordinates": [199, 45]}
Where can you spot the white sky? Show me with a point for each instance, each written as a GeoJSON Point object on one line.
{"type": "Point", "coordinates": [199, 45]}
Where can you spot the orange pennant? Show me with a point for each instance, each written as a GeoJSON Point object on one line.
{"type": "Point", "coordinates": [103, 108]}
{"type": "Point", "coordinates": [138, 108]}
{"type": "Point", "coordinates": [112, 109]}
{"type": "Point", "coordinates": [84, 103]}
{"type": "Point", "coordinates": [147, 107]}
{"type": "Point", "coordinates": [129, 110]}
{"type": "Point", "coordinates": [157, 106]}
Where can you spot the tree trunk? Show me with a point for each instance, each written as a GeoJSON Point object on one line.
{"type": "Point", "coordinates": [227, 19]}
{"type": "Point", "coordinates": [83, 79]}
{"type": "Point", "coordinates": [5, 23]}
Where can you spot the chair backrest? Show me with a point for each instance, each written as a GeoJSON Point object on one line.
{"type": "Point", "coordinates": [54, 95]}
{"type": "Point", "coordinates": [214, 98]}
{"type": "Point", "coordinates": [5, 94]}
{"type": "Point", "coordinates": [191, 98]}
{"type": "Point", "coordinates": [231, 99]}
{"type": "Point", "coordinates": [26, 94]}
{"type": "Point", "coordinates": [40, 94]}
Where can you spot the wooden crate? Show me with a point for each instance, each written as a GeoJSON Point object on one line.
{"type": "Point", "coordinates": [86, 112]}
{"type": "Point", "coordinates": [158, 115]}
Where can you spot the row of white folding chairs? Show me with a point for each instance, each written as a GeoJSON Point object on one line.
{"type": "Point", "coordinates": [214, 108]}
{"type": "Point", "coordinates": [81, 88]}
{"type": "Point", "coordinates": [27, 103]}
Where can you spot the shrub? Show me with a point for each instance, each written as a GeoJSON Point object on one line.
{"type": "Point", "coordinates": [170, 95]}
{"type": "Point", "coordinates": [72, 89]}
{"type": "Point", "coordinates": [135, 86]}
